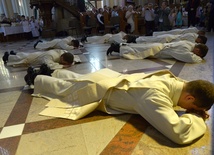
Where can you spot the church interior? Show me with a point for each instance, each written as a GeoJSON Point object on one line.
{"type": "Point", "coordinates": [24, 132]}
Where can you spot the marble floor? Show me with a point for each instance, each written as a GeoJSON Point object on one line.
{"type": "Point", "coordinates": [24, 132]}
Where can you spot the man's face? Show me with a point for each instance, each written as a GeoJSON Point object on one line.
{"type": "Point", "coordinates": [197, 51]}
{"type": "Point", "coordinates": [198, 40]}
{"type": "Point", "coordinates": [63, 62]}
{"type": "Point", "coordinates": [163, 5]}
{"type": "Point", "coordinates": [188, 104]}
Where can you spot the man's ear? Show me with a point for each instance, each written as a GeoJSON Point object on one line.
{"type": "Point", "coordinates": [190, 98]}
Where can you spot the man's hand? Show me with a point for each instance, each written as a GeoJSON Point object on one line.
{"type": "Point", "coordinates": [66, 66]}
{"type": "Point", "coordinates": [201, 113]}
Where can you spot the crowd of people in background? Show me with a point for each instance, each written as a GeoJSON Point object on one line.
{"type": "Point", "coordinates": [164, 17]}
{"type": "Point", "coordinates": [32, 27]}
{"type": "Point", "coordinates": [161, 17]}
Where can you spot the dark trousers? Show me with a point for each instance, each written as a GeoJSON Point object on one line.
{"type": "Point", "coordinates": [191, 18]}
{"type": "Point", "coordinates": [150, 27]}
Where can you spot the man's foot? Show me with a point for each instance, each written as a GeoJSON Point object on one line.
{"type": "Point", "coordinates": [45, 70]}
{"type": "Point", "coordinates": [12, 53]}
{"type": "Point", "coordinates": [30, 76]}
{"type": "Point", "coordinates": [114, 47]}
{"type": "Point", "coordinates": [84, 39]}
{"type": "Point", "coordinates": [5, 57]}
{"type": "Point", "coordinates": [39, 41]}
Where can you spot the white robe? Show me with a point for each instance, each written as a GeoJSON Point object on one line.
{"type": "Point", "coordinates": [153, 96]}
{"type": "Point", "coordinates": [130, 20]}
{"type": "Point", "coordinates": [51, 58]}
{"type": "Point", "coordinates": [26, 26]}
{"type": "Point", "coordinates": [181, 50]}
{"type": "Point", "coordinates": [177, 31]}
{"type": "Point", "coordinates": [57, 44]}
{"type": "Point", "coordinates": [167, 38]}
{"type": "Point", "coordinates": [107, 38]}
{"type": "Point", "coordinates": [35, 28]}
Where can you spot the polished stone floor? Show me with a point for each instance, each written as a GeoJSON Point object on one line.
{"type": "Point", "coordinates": [24, 132]}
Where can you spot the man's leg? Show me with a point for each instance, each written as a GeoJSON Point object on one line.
{"type": "Point", "coordinates": [56, 88]}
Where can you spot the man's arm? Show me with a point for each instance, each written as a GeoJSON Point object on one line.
{"type": "Point", "coordinates": [65, 46]}
{"type": "Point", "coordinates": [156, 107]}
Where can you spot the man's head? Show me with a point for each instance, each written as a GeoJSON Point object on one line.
{"type": "Point", "coordinates": [75, 43]}
{"type": "Point", "coordinates": [201, 39]}
{"type": "Point", "coordinates": [201, 33]}
{"type": "Point", "coordinates": [66, 59]}
{"type": "Point", "coordinates": [200, 50]}
{"type": "Point", "coordinates": [197, 95]}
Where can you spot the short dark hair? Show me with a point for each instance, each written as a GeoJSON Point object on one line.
{"type": "Point", "coordinates": [68, 57]}
{"type": "Point", "coordinates": [203, 49]}
{"type": "Point", "coordinates": [76, 43]}
{"type": "Point", "coordinates": [202, 32]}
{"type": "Point", "coordinates": [202, 91]}
{"type": "Point", "coordinates": [203, 39]}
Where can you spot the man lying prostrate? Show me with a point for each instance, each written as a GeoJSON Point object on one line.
{"type": "Point", "coordinates": [184, 51]}
{"type": "Point", "coordinates": [153, 96]}
{"type": "Point", "coordinates": [166, 38]}
{"type": "Point", "coordinates": [55, 58]}
{"type": "Point", "coordinates": [67, 43]}
{"type": "Point", "coordinates": [107, 38]}
{"type": "Point", "coordinates": [180, 31]}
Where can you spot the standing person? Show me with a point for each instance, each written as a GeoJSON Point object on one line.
{"type": "Point", "coordinates": [210, 24]}
{"type": "Point", "coordinates": [156, 10]}
{"type": "Point", "coordinates": [34, 27]}
{"type": "Point", "coordinates": [114, 12]}
{"type": "Point", "coordinates": [100, 19]}
{"type": "Point", "coordinates": [149, 19]}
{"type": "Point", "coordinates": [41, 25]}
{"type": "Point", "coordinates": [130, 18]}
{"type": "Point", "coordinates": [172, 17]}
{"type": "Point", "coordinates": [67, 43]}
{"type": "Point", "coordinates": [179, 18]}
{"type": "Point", "coordinates": [153, 96]}
{"type": "Point", "coordinates": [163, 14]}
{"type": "Point", "coordinates": [26, 27]}
{"type": "Point", "coordinates": [191, 9]}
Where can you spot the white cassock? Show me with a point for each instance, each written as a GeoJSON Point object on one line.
{"type": "Point", "coordinates": [34, 28]}
{"type": "Point", "coordinates": [56, 44]}
{"type": "Point", "coordinates": [153, 96]}
{"type": "Point", "coordinates": [167, 38]}
{"type": "Point", "coordinates": [187, 36]}
{"type": "Point", "coordinates": [51, 58]}
{"type": "Point", "coordinates": [107, 38]}
{"type": "Point", "coordinates": [26, 26]}
{"type": "Point", "coordinates": [181, 50]}
{"type": "Point", "coordinates": [177, 31]}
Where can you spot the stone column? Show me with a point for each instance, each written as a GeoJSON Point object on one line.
{"type": "Point", "coordinates": [14, 6]}
{"type": "Point", "coordinates": [5, 9]}
{"type": "Point", "coordinates": [1, 8]}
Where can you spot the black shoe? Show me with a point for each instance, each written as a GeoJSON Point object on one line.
{"type": "Point", "coordinates": [5, 57]}
{"type": "Point", "coordinates": [114, 47]}
{"type": "Point", "coordinates": [45, 70]}
{"type": "Point", "coordinates": [30, 76]}
{"type": "Point", "coordinates": [12, 53]}
{"type": "Point", "coordinates": [84, 39]}
{"type": "Point", "coordinates": [39, 41]}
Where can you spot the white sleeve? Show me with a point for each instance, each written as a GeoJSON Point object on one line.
{"type": "Point", "coordinates": [181, 53]}
{"type": "Point", "coordinates": [65, 46]}
{"type": "Point", "coordinates": [156, 108]}
{"type": "Point", "coordinates": [188, 57]}
{"type": "Point", "coordinates": [51, 63]}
